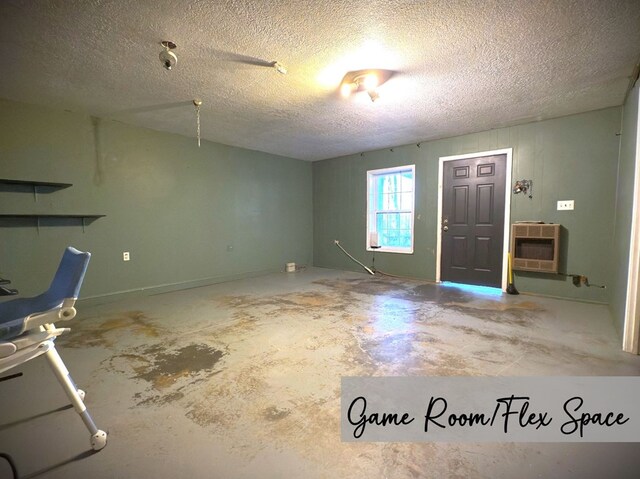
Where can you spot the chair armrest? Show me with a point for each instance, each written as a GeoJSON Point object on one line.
{"type": "Point", "coordinates": [64, 312]}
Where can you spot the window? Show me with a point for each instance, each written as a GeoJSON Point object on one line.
{"type": "Point", "coordinates": [390, 201]}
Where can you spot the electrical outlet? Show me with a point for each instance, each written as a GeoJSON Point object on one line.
{"type": "Point", "coordinates": [565, 205]}
{"type": "Point", "coordinates": [125, 256]}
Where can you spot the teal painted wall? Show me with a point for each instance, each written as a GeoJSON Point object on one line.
{"type": "Point", "coordinates": [569, 158]}
{"type": "Point", "coordinates": [624, 208]}
{"type": "Point", "coordinates": [175, 207]}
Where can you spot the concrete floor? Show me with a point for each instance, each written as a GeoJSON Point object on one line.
{"type": "Point", "coordinates": [242, 380]}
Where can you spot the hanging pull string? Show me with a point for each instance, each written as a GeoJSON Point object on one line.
{"type": "Point", "coordinates": [197, 104]}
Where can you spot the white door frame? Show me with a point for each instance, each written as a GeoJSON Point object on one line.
{"type": "Point", "coordinates": [507, 206]}
{"type": "Point", "coordinates": [631, 334]}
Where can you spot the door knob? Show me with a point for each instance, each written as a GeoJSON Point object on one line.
{"type": "Point", "coordinates": [445, 228]}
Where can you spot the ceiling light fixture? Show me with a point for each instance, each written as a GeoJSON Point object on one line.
{"type": "Point", "coordinates": [167, 57]}
{"type": "Point", "coordinates": [364, 80]}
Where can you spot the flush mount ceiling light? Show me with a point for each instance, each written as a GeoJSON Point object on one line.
{"type": "Point", "coordinates": [364, 80]}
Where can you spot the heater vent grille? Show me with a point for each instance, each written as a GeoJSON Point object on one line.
{"type": "Point", "coordinates": [535, 247]}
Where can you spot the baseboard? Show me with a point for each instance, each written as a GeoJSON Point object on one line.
{"type": "Point", "coordinates": [168, 287]}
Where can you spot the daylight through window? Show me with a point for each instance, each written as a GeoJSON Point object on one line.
{"type": "Point", "coordinates": [390, 206]}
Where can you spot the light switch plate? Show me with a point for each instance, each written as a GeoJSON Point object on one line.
{"type": "Point", "coordinates": [565, 205]}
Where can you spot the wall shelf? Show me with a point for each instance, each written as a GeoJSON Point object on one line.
{"type": "Point", "coordinates": [36, 186]}
{"type": "Point", "coordinates": [49, 184]}
{"type": "Point", "coordinates": [49, 187]}
{"type": "Point", "coordinates": [84, 219]}
{"type": "Point", "coordinates": [37, 215]}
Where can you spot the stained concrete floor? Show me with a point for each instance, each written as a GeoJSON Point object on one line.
{"type": "Point", "coordinates": [242, 380]}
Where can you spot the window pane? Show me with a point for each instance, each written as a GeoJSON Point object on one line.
{"type": "Point", "coordinates": [387, 203]}
{"type": "Point", "coordinates": [407, 181]}
{"type": "Point", "coordinates": [381, 192]}
{"type": "Point", "coordinates": [396, 203]}
{"type": "Point", "coordinates": [405, 239]}
{"type": "Point", "coordinates": [388, 183]}
{"type": "Point", "coordinates": [406, 201]}
{"type": "Point", "coordinates": [380, 199]}
{"type": "Point", "coordinates": [394, 224]}
{"type": "Point", "coordinates": [391, 193]}
{"type": "Point", "coordinates": [384, 238]}
{"type": "Point", "coordinates": [405, 221]}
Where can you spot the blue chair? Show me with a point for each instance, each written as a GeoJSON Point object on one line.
{"type": "Point", "coordinates": [27, 330]}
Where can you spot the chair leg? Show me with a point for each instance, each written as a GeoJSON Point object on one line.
{"type": "Point", "coordinates": [98, 437]}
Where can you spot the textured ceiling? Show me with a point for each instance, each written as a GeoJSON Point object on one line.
{"type": "Point", "coordinates": [462, 66]}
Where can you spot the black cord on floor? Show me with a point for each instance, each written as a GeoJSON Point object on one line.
{"type": "Point", "coordinates": [12, 464]}
{"type": "Point", "coordinates": [579, 279]}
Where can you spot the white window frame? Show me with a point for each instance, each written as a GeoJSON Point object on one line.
{"type": "Point", "coordinates": [371, 211]}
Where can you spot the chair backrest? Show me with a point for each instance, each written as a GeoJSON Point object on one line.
{"type": "Point", "coordinates": [68, 279]}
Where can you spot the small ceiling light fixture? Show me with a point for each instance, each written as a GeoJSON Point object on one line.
{"type": "Point", "coordinates": [364, 80]}
{"type": "Point", "coordinates": [280, 68]}
{"type": "Point", "coordinates": [197, 104]}
{"type": "Point", "coordinates": [167, 57]}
